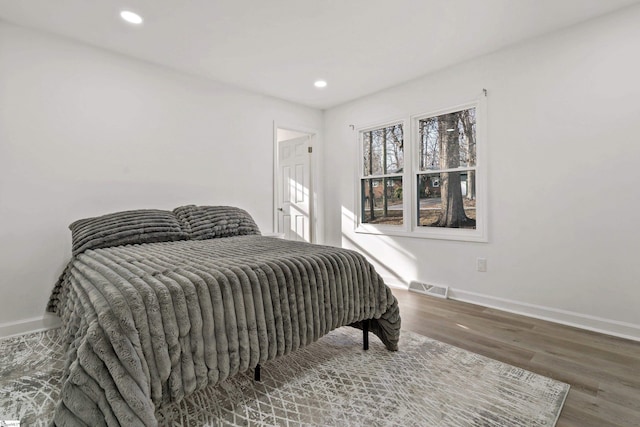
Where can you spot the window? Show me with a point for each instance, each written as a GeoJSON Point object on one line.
{"type": "Point", "coordinates": [446, 195]}
{"type": "Point", "coordinates": [381, 181]}
{"type": "Point", "coordinates": [430, 187]}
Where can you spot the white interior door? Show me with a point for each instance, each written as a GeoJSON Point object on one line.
{"type": "Point", "coordinates": [294, 189]}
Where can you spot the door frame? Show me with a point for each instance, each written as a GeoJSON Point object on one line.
{"type": "Point", "coordinates": [313, 201]}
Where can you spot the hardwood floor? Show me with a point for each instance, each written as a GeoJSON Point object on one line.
{"type": "Point", "coordinates": [603, 371]}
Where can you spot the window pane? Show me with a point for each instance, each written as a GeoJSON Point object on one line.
{"type": "Point", "coordinates": [383, 150]}
{"type": "Point", "coordinates": [448, 140]}
{"type": "Point", "coordinates": [447, 200]}
{"type": "Point", "coordinates": [372, 153]}
{"type": "Point", "coordinates": [393, 137]}
{"type": "Point", "coordinates": [382, 201]}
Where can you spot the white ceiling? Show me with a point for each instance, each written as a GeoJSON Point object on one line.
{"type": "Point", "coordinates": [279, 47]}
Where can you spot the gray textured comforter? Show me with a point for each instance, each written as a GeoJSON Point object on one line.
{"type": "Point", "coordinates": [151, 323]}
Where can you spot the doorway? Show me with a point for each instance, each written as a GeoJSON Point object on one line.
{"type": "Point", "coordinates": [293, 192]}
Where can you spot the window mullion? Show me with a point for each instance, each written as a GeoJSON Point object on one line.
{"type": "Point", "coordinates": [391, 175]}
{"type": "Point", "coordinates": [434, 171]}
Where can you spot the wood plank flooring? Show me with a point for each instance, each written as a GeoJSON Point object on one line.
{"type": "Point", "coordinates": [603, 371]}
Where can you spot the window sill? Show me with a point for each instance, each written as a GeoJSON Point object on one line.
{"type": "Point", "coordinates": [477, 236]}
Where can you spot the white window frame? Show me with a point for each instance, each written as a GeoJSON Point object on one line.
{"type": "Point", "coordinates": [362, 227]}
{"type": "Point", "coordinates": [410, 227]}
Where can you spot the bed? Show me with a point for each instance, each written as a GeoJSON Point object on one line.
{"type": "Point", "coordinates": [157, 304]}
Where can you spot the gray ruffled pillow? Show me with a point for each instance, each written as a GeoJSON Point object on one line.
{"type": "Point", "coordinates": [125, 228]}
{"type": "Point", "coordinates": [210, 222]}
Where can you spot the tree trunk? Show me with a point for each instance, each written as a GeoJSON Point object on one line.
{"type": "Point", "coordinates": [452, 213]}
{"type": "Point", "coordinates": [371, 195]}
{"type": "Point", "coordinates": [385, 202]}
{"type": "Point", "coordinates": [471, 140]}
{"type": "Point", "coordinates": [471, 185]}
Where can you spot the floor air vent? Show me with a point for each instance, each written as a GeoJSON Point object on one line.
{"type": "Point", "coordinates": [427, 289]}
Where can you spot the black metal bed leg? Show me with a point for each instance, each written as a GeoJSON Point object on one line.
{"type": "Point", "coordinates": [365, 334]}
{"type": "Point", "coordinates": [256, 373]}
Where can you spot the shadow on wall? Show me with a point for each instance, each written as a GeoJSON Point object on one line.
{"type": "Point", "coordinates": [385, 244]}
{"type": "Point", "coordinates": [375, 259]}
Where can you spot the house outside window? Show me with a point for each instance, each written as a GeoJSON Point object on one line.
{"type": "Point", "coordinates": [426, 179]}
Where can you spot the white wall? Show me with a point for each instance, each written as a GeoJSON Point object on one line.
{"type": "Point", "coordinates": [563, 177]}
{"type": "Point", "coordinates": [85, 132]}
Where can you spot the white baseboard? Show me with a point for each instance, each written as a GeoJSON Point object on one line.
{"type": "Point", "coordinates": [394, 285]}
{"type": "Point", "coordinates": [24, 326]}
{"type": "Point", "coordinates": [583, 321]}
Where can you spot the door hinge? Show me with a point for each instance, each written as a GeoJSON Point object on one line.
{"type": "Point", "coordinates": [310, 149]}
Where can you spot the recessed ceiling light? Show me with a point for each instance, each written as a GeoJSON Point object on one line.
{"type": "Point", "coordinates": [131, 17]}
{"type": "Point", "coordinates": [450, 130]}
{"type": "Point", "coordinates": [320, 84]}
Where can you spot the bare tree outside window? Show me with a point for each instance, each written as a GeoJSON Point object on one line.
{"type": "Point", "coordinates": [447, 168]}
{"type": "Point", "coordinates": [443, 167]}
{"type": "Point", "coordinates": [381, 192]}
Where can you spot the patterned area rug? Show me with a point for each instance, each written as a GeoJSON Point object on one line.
{"type": "Point", "coordinates": [332, 382]}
